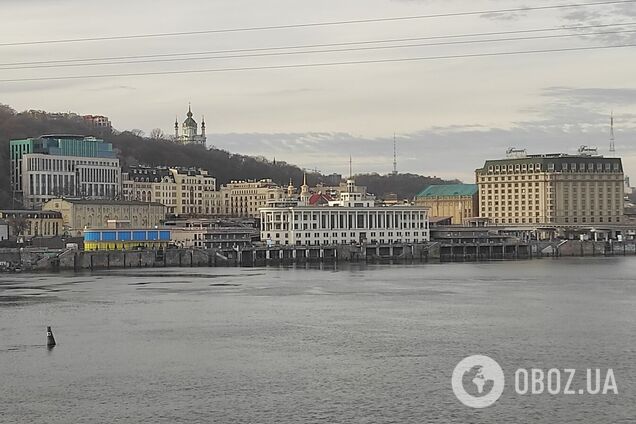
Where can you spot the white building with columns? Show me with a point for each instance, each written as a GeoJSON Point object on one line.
{"type": "Point", "coordinates": [353, 218]}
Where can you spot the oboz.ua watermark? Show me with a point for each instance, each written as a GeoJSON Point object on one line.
{"type": "Point", "coordinates": [478, 381]}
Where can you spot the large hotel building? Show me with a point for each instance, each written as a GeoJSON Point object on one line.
{"type": "Point", "coordinates": [554, 189]}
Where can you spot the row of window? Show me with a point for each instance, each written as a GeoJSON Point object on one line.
{"type": "Point", "coordinates": [65, 165]}
{"type": "Point", "coordinates": [552, 167]}
{"type": "Point", "coordinates": [330, 242]}
{"type": "Point", "coordinates": [566, 220]}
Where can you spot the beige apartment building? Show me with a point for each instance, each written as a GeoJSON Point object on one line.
{"type": "Point", "coordinates": [192, 192]}
{"type": "Point", "coordinates": [184, 191]}
{"type": "Point", "coordinates": [580, 190]}
{"type": "Point", "coordinates": [95, 214]}
{"type": "Point", "coordinates": [244, 198]}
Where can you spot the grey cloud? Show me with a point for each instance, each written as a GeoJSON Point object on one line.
{"type": "Point", "coordinates": [111, 88]}
{"type": "Point", "coordinates": [509, 16]}
{"type": "Point", "coordinates": [450, 154]}
{"type": "Point", "coordinates": [38, 86]}
{"type": "Point", "coordinates": [582, 15]}
{"type": "Point", "coordinates": [605, 96]}
{"type": "Point", "coordinates": [571, 117]}
{"type": "Point", "coordinates": [628, 9]}
{"type": "Point", "coordinates": [290, 91]}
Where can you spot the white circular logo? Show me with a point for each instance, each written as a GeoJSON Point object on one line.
{"type": "Point", "coordinates": [478, 381]}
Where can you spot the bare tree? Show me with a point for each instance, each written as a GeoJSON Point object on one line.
{"type": "Point", "coordinates": [157, 134]}
{"type": "Point", "coordinates": [137, 132]}
{"type": "Point", "coordinates": [18, 224]}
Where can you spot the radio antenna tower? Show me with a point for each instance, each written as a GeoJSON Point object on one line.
{"type": "Point", "coordinates": [612, 148]}
{"type": "Point", "coordinates": [350, 168]}
{"type": "Point", "coordinates": [394, 155]}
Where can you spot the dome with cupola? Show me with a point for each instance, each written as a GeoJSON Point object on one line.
{"type": "Point", "coordinates": [189, 130]}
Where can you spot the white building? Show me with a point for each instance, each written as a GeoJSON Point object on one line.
{"type": "Point", "coordinates": [47, 177]}
{"type": "Point", "coordinates": [189, 131]}
{"type": "Point", "coordinates": [353, 218]}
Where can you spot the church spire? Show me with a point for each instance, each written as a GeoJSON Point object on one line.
{"type": "Point", "coordinates": [304, 191]}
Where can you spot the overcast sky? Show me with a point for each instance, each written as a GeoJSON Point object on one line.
{"type": "Point", "coordinates": [449, 115]}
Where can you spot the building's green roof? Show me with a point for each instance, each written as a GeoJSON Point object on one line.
{"type": "Point", "coordinates": [449, 190]}
{"type": "Point", "coordinates": [189, 122]}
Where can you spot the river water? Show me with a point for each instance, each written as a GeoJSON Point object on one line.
{"type": "Point", "coordinates": [345, 344]}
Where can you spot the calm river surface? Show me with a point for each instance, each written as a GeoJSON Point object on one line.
{"type": "Point", "coordinates": [345, 344]}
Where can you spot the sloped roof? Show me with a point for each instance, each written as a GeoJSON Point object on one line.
{"type": "Point", "coordinates": [438, 219]}
{"type": "Point", "coordinates": [318, 198]}
{"type": "Point", "coordinates": [107, 202]}
{"type": "Point", "coordinates": [449, 190]}
{"type": "Point", "coordinates": [189, 122]}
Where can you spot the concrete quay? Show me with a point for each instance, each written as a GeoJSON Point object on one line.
{"type": "Point", "coordinates": [53, 260]}
{"type": "Point", "coordinates": [50, 259]}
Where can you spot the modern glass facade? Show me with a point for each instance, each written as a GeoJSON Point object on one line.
{"type": "Point", "coordinates": [64, 145]}
{"type": "Point", "coordinates": [63, 165]}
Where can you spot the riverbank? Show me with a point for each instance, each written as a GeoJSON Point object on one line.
{"type": "Point", "coordinates": [54, 260]}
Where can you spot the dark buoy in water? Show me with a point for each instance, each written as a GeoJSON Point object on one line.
{"type": "Point", "coordinates": [50, 340]}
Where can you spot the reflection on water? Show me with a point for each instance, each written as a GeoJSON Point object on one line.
{"type": "Point", "coordinates": [355, 343]}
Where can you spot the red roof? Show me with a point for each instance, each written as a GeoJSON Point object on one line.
{"type": "Point", "coordinates": [319, 199]}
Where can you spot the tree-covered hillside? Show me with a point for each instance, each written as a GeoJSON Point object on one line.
{"type": "Point", "coordinates": [134, 149]}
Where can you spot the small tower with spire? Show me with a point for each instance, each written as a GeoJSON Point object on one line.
{"type": "Point", "coordinates": [290, 189]}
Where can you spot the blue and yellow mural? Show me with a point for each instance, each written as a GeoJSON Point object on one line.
{"type": "Point", "coordinates": [126, 239]}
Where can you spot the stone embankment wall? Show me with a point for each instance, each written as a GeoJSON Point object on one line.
{"type": "Point", "coordinates": [50, 260]}
{"type": "Point", "coordinates": [596, 248]}
{"type": "Point", "coordinates": [79, 260]}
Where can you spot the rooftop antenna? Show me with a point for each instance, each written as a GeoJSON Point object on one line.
{"type": "Point", "coordinates": [612, 148]}
{"type": "Point", "coordinates": [394, 155]}
{"type": "Point", "coordinates": [350, 168]}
